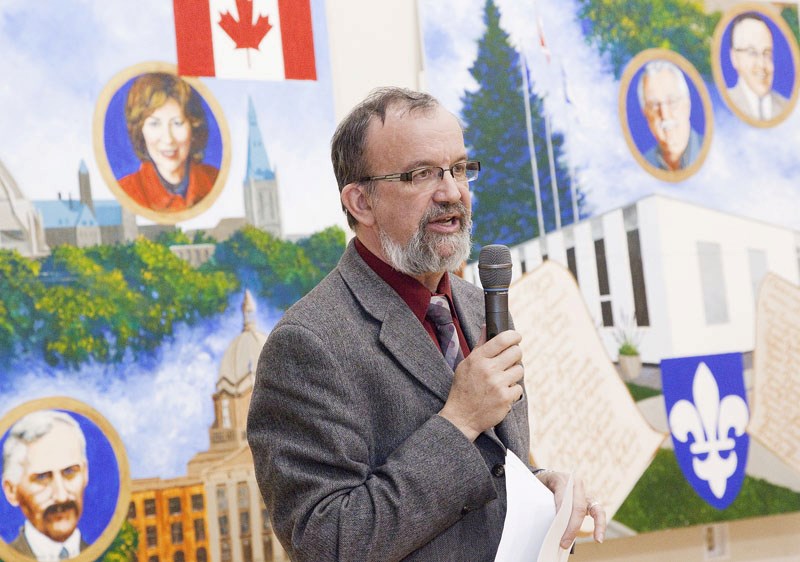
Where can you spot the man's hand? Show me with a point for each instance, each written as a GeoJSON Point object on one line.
{"type": "Point", "coordinates": [485, 384]}
{"type": "Point", "coordinates": [581, 506]}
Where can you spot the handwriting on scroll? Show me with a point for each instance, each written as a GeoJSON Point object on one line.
{"type": "Point", "coordinates": [582, 417]}
{"type": "Point", "coordinates": [775, 419]}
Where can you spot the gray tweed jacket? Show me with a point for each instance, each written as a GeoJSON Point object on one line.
{"type": "Point", "coordinates": [351, 457]}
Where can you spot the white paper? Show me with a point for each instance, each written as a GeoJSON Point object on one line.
{"type": "Point", "coordinates": [532, 529]}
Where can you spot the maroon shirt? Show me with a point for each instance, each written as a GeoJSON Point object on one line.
{"type": "Point", "coordinates": [415, 294]}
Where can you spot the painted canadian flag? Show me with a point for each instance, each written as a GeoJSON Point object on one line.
{"type": "Point", "coordinates": [250, 39]}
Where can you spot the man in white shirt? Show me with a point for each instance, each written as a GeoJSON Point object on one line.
{"type": "Point", "coordinates": [45, 473]}
{"type": "Point", "coordinates": [752, 57]}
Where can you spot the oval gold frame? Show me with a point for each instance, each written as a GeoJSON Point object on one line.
{"type": "Point", "coordinates": [98, 134]}
{"type": "Point", "coordinates": [774, 16]}
{"type": "Point", "coordinates": [633, 66]}
{"type": "Point", "coordinates": [108, 535]}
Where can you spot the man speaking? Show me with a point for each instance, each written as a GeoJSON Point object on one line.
{"type": "Point", "coordinates": [381, 419]}
{"type": "Point", "coordinates": [45, 473]}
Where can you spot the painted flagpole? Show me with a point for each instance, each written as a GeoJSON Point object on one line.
{"type": "Point", "coordinates": [573, 188]}
{"type": "Point", "coordinates": [532, 151]}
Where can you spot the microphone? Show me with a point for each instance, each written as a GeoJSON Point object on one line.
{"type": "Point", "coordinates": [494, 269]}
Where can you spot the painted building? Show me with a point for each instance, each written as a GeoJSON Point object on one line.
{"type": "Point", "coordinates": [195, 254]}
{"type": "Point", "coordinates": [236, 525]}
{"type": "Point", "coordinates": [86, 222]}
{"type": "Point", "coordinates": [170, 519]}
{"type": "Point", "coordinates": [21, 224]}
{"type": "Point", "coordinates": [685, 276]}
{"type": "Point", "coordinates": [261, 203]}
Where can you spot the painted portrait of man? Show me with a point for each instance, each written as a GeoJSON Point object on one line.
{"type": "Point", "coordinates": [65, 481]}
{"type": "Point", "coordinates": [162, 146]}
{"type": "Point", "coordinates": [45, 474]}
{"type": "Point", "coordinates": [754, 65]}
{"type": "Point", "coordinates": [666, 114]}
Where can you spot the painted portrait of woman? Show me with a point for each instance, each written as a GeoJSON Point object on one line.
{"type": "Point", "coordinates": [163, 145]}
{"type": "Point", "coordinates": [169, 132]}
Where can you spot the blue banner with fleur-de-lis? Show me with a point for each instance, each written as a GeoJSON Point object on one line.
{"type": "Point", "coordinates": [707, 412]}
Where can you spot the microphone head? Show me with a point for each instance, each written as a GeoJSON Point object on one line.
{"type": "Point", "coordinates": [494, 266]}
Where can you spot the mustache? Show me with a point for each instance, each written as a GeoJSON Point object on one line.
{"type": "Point", "coordinates": [438, 211]}
{"type": "Point", "coordinates": [667, 124]}
{"type": "Point", "coordinates": [59, 508]}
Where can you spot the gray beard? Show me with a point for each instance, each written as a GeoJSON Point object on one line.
{"type": "Point", "coordinates": [431, 252]}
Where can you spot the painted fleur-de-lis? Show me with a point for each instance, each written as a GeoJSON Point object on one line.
{"type": "Point", "coordinates": [710, 422]}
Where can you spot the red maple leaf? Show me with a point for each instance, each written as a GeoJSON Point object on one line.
{"type": "Point", "coordinates": [245, 33]}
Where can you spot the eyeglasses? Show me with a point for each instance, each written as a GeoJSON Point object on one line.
{"type": "Point", "coordinates": [431, 175]}
{"type": "Point", "coordinates": [670, 103]}
{"type": "Point", "coordinates": [753, 54]}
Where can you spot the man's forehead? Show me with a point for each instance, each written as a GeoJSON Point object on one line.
{"type": "Point", "coordinates": [751, 30]}
{"type": "Point", "coordinates": [660, 81]}
{"type": "Point", "coordinates": [56, 450]}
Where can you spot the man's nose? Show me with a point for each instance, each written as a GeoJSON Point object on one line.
{"type": "Point", "coordinates": [58, 489]}
{"type": "Point", "coordinates": [448, 189]}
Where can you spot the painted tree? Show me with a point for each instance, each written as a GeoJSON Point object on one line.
{"type": "Point", "coordinates": [496, 134]}
{"type": "Point", "coordinates": [620, 30]}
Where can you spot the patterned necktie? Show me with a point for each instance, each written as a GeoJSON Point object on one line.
{"type": "Point", "coordinates": [439, 314]}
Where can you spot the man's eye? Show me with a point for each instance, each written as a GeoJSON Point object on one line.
{"type": "Point", "coordinates": [459, 169]}
{"type": "Point", "coordinates": [43, 477]}
{"type": "Point", "coordinates": [423, 174]}
{"type": "Point", "coordinates": [71, 471]}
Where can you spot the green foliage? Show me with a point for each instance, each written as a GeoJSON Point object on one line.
{"type": "Point", "coordinates": [790, 15]}
{"type": "Point", "coordinates": [620, 30]}
{"type": "Point", "coordinates": [173, 237]}
{"type": "Point", "coordinates": [278, 270]}
{"type": "Point", "coordinates": [639, 392]}
{"type": "Point", "coordinates": [663, 499]}
{"type": "Point", "coordinates": [324, 248]}
{"type": "Point", "coordinates": [102, 302]}
{"type": "Point", "coordinates": [19, 290]}
{"type": "Point", "coordinates": [123, 547]}
{"type": "Point", "coordinates": [497, 135]}
{"type": "Point", "coordinates": [628, 349]}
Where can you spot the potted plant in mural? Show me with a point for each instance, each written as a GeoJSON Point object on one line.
{"type": "Point", "coordinates": [628, 337]}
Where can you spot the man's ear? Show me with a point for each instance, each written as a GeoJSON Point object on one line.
{"type": "Point", "coordinates": [10, 491]}
{"type": "Point", "coordinates": [356, 202]}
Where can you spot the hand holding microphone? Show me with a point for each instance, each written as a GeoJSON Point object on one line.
{"type": "Point", "coordinates": [485, 383]}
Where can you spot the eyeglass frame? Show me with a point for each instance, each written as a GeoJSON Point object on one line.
{"type": "Point", "coordinates": [767, 55]}
{"type": "Point", "coordinates": [407, 176]}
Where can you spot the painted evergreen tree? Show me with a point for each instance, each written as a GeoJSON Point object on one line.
{"type": "Point", "coordinates": [496, 134]}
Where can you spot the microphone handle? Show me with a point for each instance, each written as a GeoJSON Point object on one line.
{"type": "Point", "coordinates": [496, 301]}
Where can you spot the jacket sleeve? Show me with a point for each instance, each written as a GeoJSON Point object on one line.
{"type": "Point", "coordinates": [310, 434]}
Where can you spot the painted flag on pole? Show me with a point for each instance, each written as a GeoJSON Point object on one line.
{"type": "Point", "coordinates": [249, 39]}
{"type": "Point", "coordinates": [542, 42]}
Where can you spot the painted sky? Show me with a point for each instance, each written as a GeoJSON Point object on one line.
{"type": "Point", "coordinates": [58, 56]}
{"type": "Point", "coordinates": [749, 172]}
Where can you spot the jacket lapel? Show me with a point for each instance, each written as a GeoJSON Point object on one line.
{"type": "Point", "coordinates": [401, 332]}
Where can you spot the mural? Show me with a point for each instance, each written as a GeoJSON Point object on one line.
{"type": "Point", "coordinates": [155, 181]}
{"type": "Point", "coordinates": [615, 154]}
{"type": "Point", "coordinates": [153, 226]}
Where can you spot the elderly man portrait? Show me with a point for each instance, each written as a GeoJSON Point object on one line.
{"type": "Point", "coordinates": [752, 52]}
{"type": "Point", "coordinates": [45, 473]}
{"type": "Point", "coordinates": [374, 439]}
{"type": "Point", "coordinates": [665, 101]}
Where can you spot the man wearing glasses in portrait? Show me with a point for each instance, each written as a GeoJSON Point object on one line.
{"type": "Point", "coordinates": [664, 98]}
{"type": "Point", "coordinates": [752, 58]}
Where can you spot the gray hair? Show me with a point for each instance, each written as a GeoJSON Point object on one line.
{"type": "Point", "coordinates": [654, 67]}
{"type": "Point", "coordinates": [28, 429]}
{"type": "Point", "coordinates": [348, 145]}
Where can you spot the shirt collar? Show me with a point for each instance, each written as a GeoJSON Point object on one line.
{"type": "Point", "coordinates": [414, 294]}
{"type": "Point", "coordinates": [46, 549]}
{"type": "Point", "coordinates": [759, 106]}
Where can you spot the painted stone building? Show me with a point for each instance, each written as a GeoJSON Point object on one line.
{"type": "Point", "coordinates": [261, 204]}
{"type": "Point", "coordinates": [220, 486]}
{"type": "Point", "coordinates": [21, 224]}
